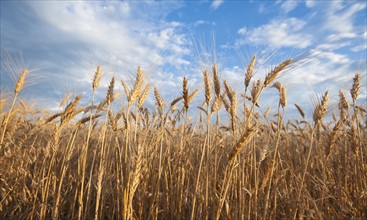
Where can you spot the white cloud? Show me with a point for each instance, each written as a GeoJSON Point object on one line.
{"type": "Point", "coordinates": [360, 47]}
{"type": "Point", "coordinates": [289, 6]}
{"type": "Point", "coordinates": [280, 33]}
{"type": "Point", "coordinates": [242, 31]}
{"type": "Point", "coordinates": [262, 9]}
{"type": "Point", "coordinates": [310, 3]}
{"type": "Point", "coordinates": [115, 30]}
{"type": "Point", "coordinates": [216, 3]}
{"type": "Point", "coordinates": [75, 36]}
{"type": "Point", "coordinates": [340, 18]}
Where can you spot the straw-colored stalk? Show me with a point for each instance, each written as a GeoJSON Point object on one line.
{"type": "Point", "coordinates": [18, 87]}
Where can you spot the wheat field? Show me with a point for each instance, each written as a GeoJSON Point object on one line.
{"type": "Point", "coordinates": [97, 162]}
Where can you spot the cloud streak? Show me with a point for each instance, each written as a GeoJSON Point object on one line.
{"type": "Point", "coordinates": [216, 4]}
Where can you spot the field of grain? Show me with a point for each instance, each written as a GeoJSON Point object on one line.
{"type": "Point", "coordinates": [95, 162]}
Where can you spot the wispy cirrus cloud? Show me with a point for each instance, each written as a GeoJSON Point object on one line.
{"type": "Point", "coordinates": [287, 32]}
{"type": "Point", "coordinates": [216, 4]}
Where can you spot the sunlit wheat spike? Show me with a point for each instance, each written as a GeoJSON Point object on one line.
{"type": "Point", "coordinates": [97, 77]}
{"type": "Point", "coordinates": [343, 104]}
{"type": "Point", "coordinates": [354, 91]}
{"type": "Point", "coordinates": [176, 100]}
{"type": "Point", "coordinates": [112, 120]}
{"type": "Point", "coordinates": [158, 98]}
{"type": "Point", "coordinates": [217, 104]}
{"type": "Point", "coordinates": [283, 96]}
{"type": "Point", "coordinates": [87, 118]}
{"type": "Point", "coordinates": [21, 81]}
{"type": "Point", "coordinates": [275, 72]}
{"type": "Point", "coordinates": [320, 109]}
{"type": "Point", "coordinates": [70, 110]}
{"type": "Point", "coordinates": [109, 96]}
{"type": "Point", "coordinates": [65, 99]}
{"type": "Point", "coordinates": [228, 89]}
{"type": "Point", "coordinates": [192, 95]}
{"type": "Point", "coordinates": [225, 103]}
{"type": "Point", "coordinates": [301, 112]}
{"type": "Point", "coordinates": [282, 93]}
{"type": "Point", "coordinates": [135, 92]}
{"type": "Point", "coordinates": [126, 89]}
{"type": "Point", "coordinates": [185, 93]}
{"type": "Point", "coordinates": [216, 80]}
{"type": "Point", "coordinates": [256, 89]}
{"type": "Point", "coordinates": [208, 94]}
{"type": "Point", "coordinates": [333, 137]}
{"type": "Point", "coordinates": [250, 72]}
{"type": "Point", "coordinates": [143, 95]}
{"type": "Point", "coordinates": [244, 139]}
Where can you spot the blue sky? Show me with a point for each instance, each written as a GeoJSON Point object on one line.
{"type": "Point", "coordinates": [66, 40]}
